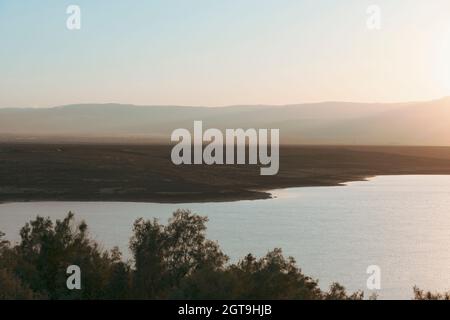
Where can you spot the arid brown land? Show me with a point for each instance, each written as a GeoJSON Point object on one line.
{"type": "Point", "coordinates": [127, 172]}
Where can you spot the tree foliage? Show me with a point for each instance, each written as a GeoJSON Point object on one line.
{"type": "Point", "coordinates": [427, 295]}
{"type": "Point", "coordinates": [173, 261]}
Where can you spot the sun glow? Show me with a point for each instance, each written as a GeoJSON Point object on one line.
{"type": "Point", "coordinates": [442, 60]}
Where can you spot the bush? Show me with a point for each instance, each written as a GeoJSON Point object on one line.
{"type": "Point", "coordinates": [422, 295]}
{"type": "Point", "coordinates": [175, 261]}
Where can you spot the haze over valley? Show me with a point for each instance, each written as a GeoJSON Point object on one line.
{"type": "Point", "coordinates": [412, 123]}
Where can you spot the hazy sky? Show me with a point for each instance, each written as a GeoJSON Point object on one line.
{"type": "Point", "coordinates": [222, 52]}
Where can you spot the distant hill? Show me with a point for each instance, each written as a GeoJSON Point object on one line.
{"type": "Point", "coordinates": [415, 123]}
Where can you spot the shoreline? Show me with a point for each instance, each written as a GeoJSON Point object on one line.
{"type": "Point", "coordinates": [265, 195]}
{"type": "Point", "coordinates": [144, 173]}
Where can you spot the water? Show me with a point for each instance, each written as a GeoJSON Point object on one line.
{"type": "Point", "coordinates": [400, 223]}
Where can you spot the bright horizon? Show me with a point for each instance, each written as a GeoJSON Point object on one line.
{"type": "Point", "coordinates": [223, 53]}
{"type": "Point", "coordinates": [226, 106]}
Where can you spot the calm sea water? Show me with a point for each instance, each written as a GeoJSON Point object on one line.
{"type": "Point", "coordinates": [400, 223]}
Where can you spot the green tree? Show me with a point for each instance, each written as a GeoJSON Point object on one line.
{"type": "Point", "coordinates": [338, 292]}
{"type": "Point", "coordinates": [164, 256]}
{"type": "Point", "coordinates": [11, 286]}
{"type": "Point", "coordinates": [3, 243]}
{"type": "Point", "coordinates": [47, 249]}
{"type": "Point", "coordinates": [422, 295]}
{"type": "Point", "coordinates": [173, 261]}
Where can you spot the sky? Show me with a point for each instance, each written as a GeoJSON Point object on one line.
{"type": "Point", "coordinates": [222, 52]}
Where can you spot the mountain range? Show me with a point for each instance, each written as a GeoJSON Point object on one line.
{"type": "Point", "coordinates": [412, 123]}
